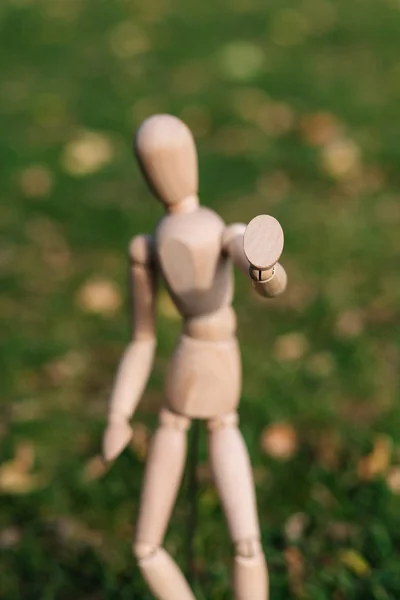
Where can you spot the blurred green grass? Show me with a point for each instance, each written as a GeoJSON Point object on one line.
{"type": "Point", "coordinates": [295, 110]}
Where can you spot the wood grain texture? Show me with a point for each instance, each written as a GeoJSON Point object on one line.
{"type": "Point", "coordinates": [167, 155]}
{"type": "Point", "coordinates": [233, 477]}
{"type": "Point", "coordinates": [250, 578]}
{"type": "Point", "coordinates": [188, 249]}
{"type": "Point", "coordinates": [193, 251]}
{"type": "Point", "coordinates": [143, 288]}
{"type": "Point", "coordinates": [164, 577]}
{"type": "Point", "coordinates": [269, 283]}
{"type": "Point", "coordinates": [163, 474]}
{"type": "Point", "coordinates": [232, 244]}
{"type": "Point", "coordinates": [263, 242]}
{"type": "Point", "coordinates": [204, 377]}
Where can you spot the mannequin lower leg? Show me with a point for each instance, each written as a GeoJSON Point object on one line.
{"type": "Point", "coordinates": [233, 477]}
{"type": "Point", "coordinates": [250, 575]}
{"type": "Point", "coordinates": [163, 475]}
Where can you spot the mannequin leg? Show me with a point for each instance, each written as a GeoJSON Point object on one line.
{"type": "Point", "coordinates": [234, 480]}
{"type": "Point", "coordinates": [162, 478]}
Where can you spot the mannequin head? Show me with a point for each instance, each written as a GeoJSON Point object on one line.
{"type": "Point", "coordinates": [167, 156]}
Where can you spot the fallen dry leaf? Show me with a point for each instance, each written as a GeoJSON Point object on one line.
{"type": "Point", "coordinates": [295, 526]}
{"type": "Point", "coordinates": [290, 347]}
{"type": "Point", "coordinates": [10, 537]}
{"type": "Point", "coordinates": [320, 128]}
{"type": "Point", "coordinates": [15, 474]}
{"type": "Point", "coordinates": [140, 440]}
{"type": "Point", "coordinates": [378, 461]}
{"type": "Point", "coordinates": [95, 468]}
{"type": "Point", "coordinates": [355, 562]}
{"type": "Point", "coordinates": [89, 152]}
{"type": "Point", "coordinates": [279, 441]}
{"type": "Point", "coordinates": [296, 571]}
{"type": "Point", "coordinates": [341, 158]}
{"type": "Point", "coordinates": [204, 473]}
{"type": "Point", "coordinates": [275, 118]}
{"type": "Point", "coordinates": [36, 181]}
{"type": "Point", "coordinates": [328, 449]}
{"type": "Point", "coordinates": [350, 323]}
{"type": "Point", "coordinates": [321, 364]}
{"type": "Point", "coordinates": [393, 479]}
{"type": "Point", "coordinates": [99, 296]}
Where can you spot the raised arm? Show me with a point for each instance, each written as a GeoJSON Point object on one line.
{"type": "Point", "coordinates": [270, 280]}
{"type": "Point", "coordinates": [232, 246]}
{"type": "Point", "coordinates": [137, 360]}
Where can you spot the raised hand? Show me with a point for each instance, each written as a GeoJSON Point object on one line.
{"type": "Point", "coordinates": [263, 245]}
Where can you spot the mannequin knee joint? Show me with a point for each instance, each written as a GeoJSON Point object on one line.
{"type": "Point", "coordinates": [248, 548]}
{"type": "Point", "coordinates": [173, 420]}
{"type": "Point", "coordinates": [229, 420]}
{"type": "Point", "coordinates": [142, 550]}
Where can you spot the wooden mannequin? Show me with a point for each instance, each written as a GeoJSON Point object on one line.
{"type": "Point", "coordinates": [193, 250]}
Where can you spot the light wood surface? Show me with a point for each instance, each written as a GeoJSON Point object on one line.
{"type": "Point", "coordinates": [193, 251]}
{"type": "Point", "coordinates": [167, 155]}
{"type": "Point", "coordinates": [263, 242]}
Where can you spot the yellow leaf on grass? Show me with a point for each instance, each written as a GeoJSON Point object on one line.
{"type": "Point", "coordinates": [89, 152]}
{"type": "Point", "coordinates": [279, 441]}
{"type": "Point", "coordinates": [393, 479]}
{"type": "Point", "coordinates": [290, 346]}
{"type": "Point", "coordinates": [296, 570]}
{"type": "Point", "coordinates": [95, 468]}
{"type": "Point", "coordinates": [378, 461]}
{"type": "Point", "coordinates": [15, 474]}
{"type": "Point", "coordinates": [354, 562]}
{"type": "Point", "coordinates": [341, 158]}
{"type": "Point", "coordinates": [99, 296]}
{"type": "Point", "coordinates": [350, 323]}
{"type": "Point", "coordinates": [140, 440]}
{"type": "Point", "coordinates": [167, 307]}
{"type": "Point", "coordinates": [209, 498]}
{"type": "Point", "coordinates": [320, 129]}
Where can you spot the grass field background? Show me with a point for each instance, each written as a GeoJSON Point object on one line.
{"type": "Point", "coordinates": [295, 108]}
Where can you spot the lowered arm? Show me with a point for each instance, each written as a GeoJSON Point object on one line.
{"type": "Point", "coordinates": [137, 360]}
